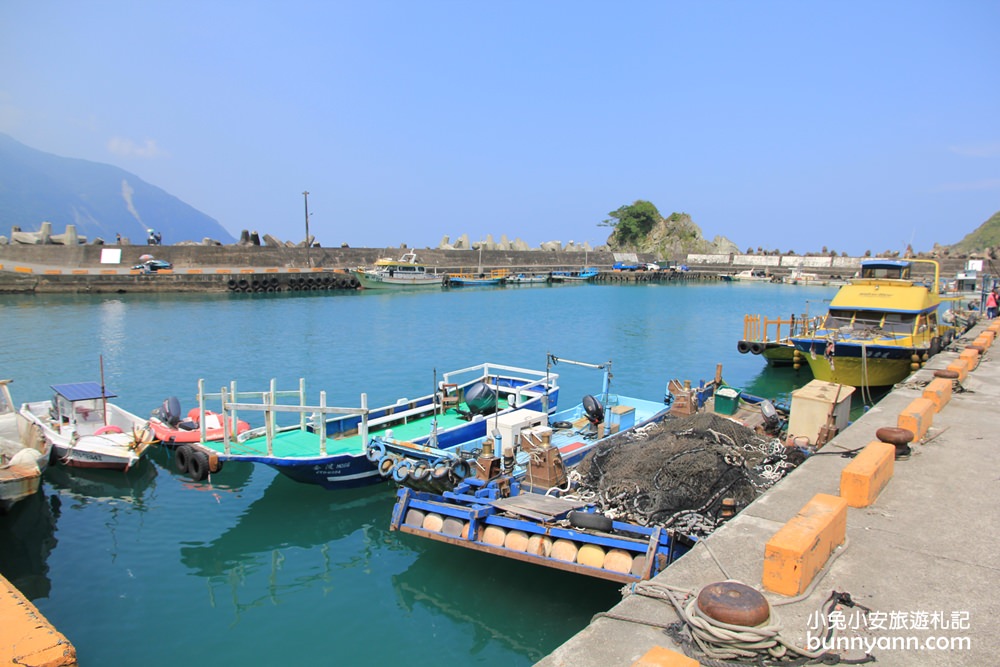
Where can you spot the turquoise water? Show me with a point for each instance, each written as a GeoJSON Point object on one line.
{"type": "Point", "coordinates": [146, 568]}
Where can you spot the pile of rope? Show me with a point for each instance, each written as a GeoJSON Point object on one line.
{"type": "Point", "coordinates": [675, 474]}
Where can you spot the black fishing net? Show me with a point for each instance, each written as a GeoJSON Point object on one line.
{"type": "Point", "coordinates": [675, 474]}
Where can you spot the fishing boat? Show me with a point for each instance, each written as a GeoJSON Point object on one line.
{"type": "Point", "coordinates": [23, 456]}
{"type": "Point", "coordinates": [771, 337]}
{"type": "Point", "coordinates": [510, 505]}
{"type": "Point", "coordinates": [199, 424]}
{"type": "Point", "coordinates": [584, 275]}
{"type": "Point", "coordinates": [481, 279]}
{"type": "Point", "coordinates": [880, 327]}
{"type": "Point", "coordinates": [404, 272]}
{"type": "Point", "coordinates": [752, 276]}
{"type": "Point", "coordinates": [528, 279]}
{"type": "Point", "coordinates": [85, 430]}
{"type": "Point", "coordinates": [325, 445]}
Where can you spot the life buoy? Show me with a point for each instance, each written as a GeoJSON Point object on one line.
{"type": "Point", "coordinates": [110, 428]}
{"type": "Point", "coordinates": [756, 348]}
{"type": "Point", "coordinates": [743, 347]}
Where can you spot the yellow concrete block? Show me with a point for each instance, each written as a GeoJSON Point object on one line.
{"type": "Point", "coordinates": [917, 417]}
{"type": "Point", "coordinates": [962, 367]}
{"type": "Point", "coordinates": [27, 637]}
{"type": "Point", "coordinates": [865, 477]}
{"type": "Point", "coordinates": [664, 657]}
{"type": "Point", "coordinates": [938, 392]}
{"type": "Point", "coordinates": [796, 553]}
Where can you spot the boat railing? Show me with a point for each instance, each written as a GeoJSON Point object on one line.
{"type": "Point", "coordinates": [769, 330]}
{"type": "Point", "coordinates": [270, 407]}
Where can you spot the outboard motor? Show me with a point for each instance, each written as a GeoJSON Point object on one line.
{"type": "Point", "coordinates": [169, 412]}
{"type": "Point", "coordinates": [481, 399]}
{"type": "Point", "coordinates": [594, 409]}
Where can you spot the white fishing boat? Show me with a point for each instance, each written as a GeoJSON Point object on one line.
{"type": "Point", "coordinates": [23, 458]}
{"type": "Point", "coordinates": [401, 273]}
{"type": "Point", "coordinates": [85, 430]}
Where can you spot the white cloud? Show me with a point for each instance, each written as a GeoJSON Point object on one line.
{"type": "Point", "coordinates": [128, 148]}
{"type": "Point", "coordinates": [977, 150]}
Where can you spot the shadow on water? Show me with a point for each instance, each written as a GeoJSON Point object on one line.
{"type": "Point", "coordinates": [234, 476]}
{"type": "Point", "coordinates": [85, 486]}
{"type": "Point", "coordinates": [27, 538]}
{"type": "Point", "coordinates": [489, 597]}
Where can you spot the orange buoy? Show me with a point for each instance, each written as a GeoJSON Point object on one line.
{"type": "Point", "coordinates": [591, 555]}
{"type": "Point", "coordinates": [565, 550]}
{"type": "Point", "coordinates": [494, 535]}
{"type": "Point", "coordinates": [540, 545]}
{"type": "Point", "coordinates": [517, 540]}
{"type": "Point", "coordinates": [618, 560]}
{"type": "Point", "coordinates": [434, 521]}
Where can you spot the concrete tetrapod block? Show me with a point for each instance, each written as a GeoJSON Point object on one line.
{"type": "Point", "coordinates": [799, 550]}
{"type": "Point", "coordinates": [865, 477]}
{"type": "Point", "coordinates": [917, 417]}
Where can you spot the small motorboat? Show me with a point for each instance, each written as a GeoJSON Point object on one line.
{"type": "Point", "coordinates": [170, 429]}
{"type": "Point", "coordinates": [23, 457]}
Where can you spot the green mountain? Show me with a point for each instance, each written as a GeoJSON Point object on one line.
{"type": "Point", "coordinates": [101, 200]}
{"type": "Point", "coordinates": [985, 236]}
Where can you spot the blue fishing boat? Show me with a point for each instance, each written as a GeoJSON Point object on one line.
{"type": "Point", "coordinates": [510, 503]}
{"type": "Point", "coordinates": [586, 275]}
{"type": "Point", "coordinates": [326, 445]}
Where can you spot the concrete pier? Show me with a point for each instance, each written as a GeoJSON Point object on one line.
{"type": "Point", "coordinates": [919, 550]}
{"type": "Point", "coordinates": [26, 637]}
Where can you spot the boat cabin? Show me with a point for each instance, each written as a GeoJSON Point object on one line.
{"type": "Point", "coordinates": [79, 403]}
{"type": "Point", "coordinates": [886, 269]}
{"type": "Point", "coordinates": [896, 322]}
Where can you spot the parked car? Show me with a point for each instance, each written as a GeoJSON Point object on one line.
{"type": "Point", "coordinates": [153, 265]}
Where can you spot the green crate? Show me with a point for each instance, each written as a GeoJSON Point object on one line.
{"type": "Point", "coordinates": [727, 399]}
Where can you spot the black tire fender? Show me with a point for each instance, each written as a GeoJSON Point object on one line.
{"type": "Point", "coordinates": [198, 466]}
{"type": "Point", "coordinates": [182, 458]}
{"type": "Point", "coordinates": [743, 347]}
{"type": "Point", "coordinates": [756, 348]}
{"type": "Point", "coordinates": [591, 520]}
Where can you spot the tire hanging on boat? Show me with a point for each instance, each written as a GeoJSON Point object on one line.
{"type": "Point", "coordinates": [756, 348]}
{"type": "Point", "coordinates": [743, 347]}
{"type": "Point", "coordinates": [182, 458]}
{"type": "Point", "coordinates": [198, 465]}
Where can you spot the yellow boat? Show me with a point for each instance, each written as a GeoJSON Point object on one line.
{"type": "Point", "coordinates": [880, 327]}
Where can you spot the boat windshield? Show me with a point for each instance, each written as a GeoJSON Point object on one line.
{"type": "Point", "coordinates": [900, 323]}
{"type": "Point", "coordinates": [887, 271]}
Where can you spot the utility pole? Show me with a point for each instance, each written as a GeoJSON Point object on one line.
{"type": "Point", "coordinates": [305, 195]}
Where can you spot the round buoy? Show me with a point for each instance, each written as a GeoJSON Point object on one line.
{"type": "Point", "coordinates": [894, 435]}
{"type": "Point", "coordinates": [454, 527]}
{"type": "Point", "coordinates": [434, 522]}
{"type": "Point", "coordinates": [565, 550]}
{"type": "Point", "coordinates": [591, 555]}
{"type": "Point", "coordinates": [494, 535]}
{"type": "Point", "coordinates": [517, 540]}
{"type": "Point", "coordinates": [415, 518]}
{"type": "Point", "coordinates": [734, 603]}
{"type": "Point", "coordinates": [618, 560]}
{"type": "Point", "coordinates": [947, 373]}
{"type": "Point", "coordinates": [639, 565]}
{"type": "Point", "coordinates": [540, 545]}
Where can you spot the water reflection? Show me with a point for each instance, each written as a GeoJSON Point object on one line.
{"type": "Point", "coordinates": [489, 596]}
{"type": "Point", "coordinates": [85, 486]}
{"type": "Point", "coordinates": [27, 538]}
{"type": "Point", "coordinates": [327, 533]}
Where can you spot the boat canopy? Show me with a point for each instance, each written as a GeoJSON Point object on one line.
{"type": "Point", "coordinates": [894, 269]}
{"type": "Point", "coordinates": [81, 391]}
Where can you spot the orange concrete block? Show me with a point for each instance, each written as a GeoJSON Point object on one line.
{"type": "Point", "coordinates": [983, 340]}
{"type": "Point", "coordinates": [270, 270]}
{"type": "Point", "coordinates": [246, 270]}
{"type": "Point", "coordinates": [79, 272]}
{"type": "Point", "coordinates": [23, 269]}
{"type": "Point", "coordinates": [796, 553]}
{"type": "Point", "coordinates": [960, 366]}
{"type": "Point", "coordinates": [26, 637]}
{"type": "Point", "coordinates": [994, 327]}
{"type": "Point", "coordinates": [938, 392]}
{"type": "Point", "coordinates": [664, 657]}
{"type": "Point", "coordinates": [971, 357]}
{"type": "Point", "coordinates": [195, 271]}
{"type": "Point", "coordinates": [865, 477]}
{"type": "Point", "coordinates": [917, 417]}
{"type": "Point", "coordinates": [223, 271]}
{"type": "Point", "coordinates": [52, 272]}
{"type": "Point", "coordinates": [988, 333]}
{"type": "Point", "coordinates": [109, 272]}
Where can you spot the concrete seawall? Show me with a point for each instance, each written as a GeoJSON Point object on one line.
{"type": "Point", "coordinates": [918, 547]}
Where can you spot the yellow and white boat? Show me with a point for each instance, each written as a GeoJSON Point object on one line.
{"type": "Point", "coordinates": [880, 327]}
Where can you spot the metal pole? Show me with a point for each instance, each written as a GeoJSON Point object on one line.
{"type": "Point", "coordinates": [305, 195]}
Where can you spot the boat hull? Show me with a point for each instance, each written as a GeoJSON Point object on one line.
{"type": "Point", "coordinates": [859, 365]}
{"type": "Point", "coordinates": [370, 280]}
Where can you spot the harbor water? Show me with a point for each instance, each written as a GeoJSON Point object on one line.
{"type": "Point", "coordinates": [148, 568]}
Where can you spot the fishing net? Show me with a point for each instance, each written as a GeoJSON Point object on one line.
{"type": "Point", "coordinates": [675, 474]}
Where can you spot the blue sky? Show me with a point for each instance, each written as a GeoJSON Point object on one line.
{"type": "Point", "coordinates": [786, 125]}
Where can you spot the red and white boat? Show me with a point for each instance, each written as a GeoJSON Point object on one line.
{"type": "Point", "coordinates": [171, 430]}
